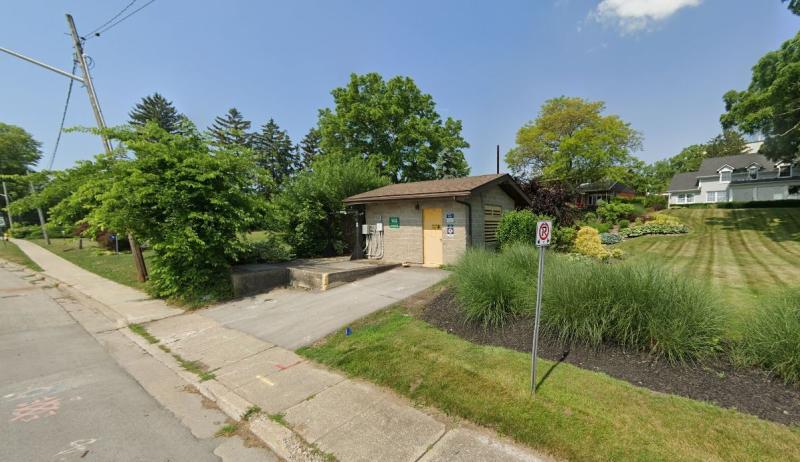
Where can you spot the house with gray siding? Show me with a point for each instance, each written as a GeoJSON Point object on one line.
{"type": "Point", "coordinates": [745, 177]}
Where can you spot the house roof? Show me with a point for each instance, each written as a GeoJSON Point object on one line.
{"type": "Point", "coordinates": [712, 165]}
{"type": "Point", "coordinates": [449, 187]}
{"type": "Point", "coordinates": [683, 182]}
{"type": "Point", "coordinates": [604, 185]}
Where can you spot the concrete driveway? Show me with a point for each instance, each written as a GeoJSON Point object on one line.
{"type": "Point", "coordinates": [292, 318]}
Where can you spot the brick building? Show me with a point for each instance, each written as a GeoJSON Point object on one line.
{"type": "Point", "coordinates": [433, 222]}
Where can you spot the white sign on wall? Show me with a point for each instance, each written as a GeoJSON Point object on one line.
{"type": "Point", "coordinates": [451, 231]}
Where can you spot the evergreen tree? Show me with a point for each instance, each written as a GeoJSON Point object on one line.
{"type": "Point", "coordinates": [158, 109]}
{"type": "Point", "coordinates": [231, 129]}
{"type": "Point", "coordinates": [275, 152]}
{"type": "Point", "coordinates": [309, 148]}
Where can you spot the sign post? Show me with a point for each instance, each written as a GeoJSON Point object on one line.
{"type": "Point", "coordinates": [544, 229]}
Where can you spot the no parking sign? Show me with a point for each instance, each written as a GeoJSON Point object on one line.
{"type": "Point", "coordinates": [544, 229]}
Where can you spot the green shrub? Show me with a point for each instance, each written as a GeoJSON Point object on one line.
{"type": "Point", "coordinates": [267, 250]}
{"type": "Point", "coordinates": [624, 224]}
{"type": "Point", "coordinates": [655, 202]}
{"type": "Point", "coordinates": [772, 339]}
{"type": "Point", "coordinates": [19, 231]}
{"type": "Point", "coordinates": [639, 306]}
{"type": "Point", "coordinates": [589, 217]}
{"type": "Point", "coordinates": [518, 226]}
{"type": "Point", "coordinates": [564, 238]}
{"type": "Point", "coordinates": [610, 239]}
{"type": "Point", "coordinates": [488, 292]}
{"type": "Point", "coordinates": [650, 228]}
{"type": "Point", "coordinates": [611, 212]}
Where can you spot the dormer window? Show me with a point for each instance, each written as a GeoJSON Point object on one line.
{"type": "Point", "coordinates": [752, 172]}
{"type": "Point", "coordinates": [725, 176]}
{"type": "Point", "coordinates": [784, 170]}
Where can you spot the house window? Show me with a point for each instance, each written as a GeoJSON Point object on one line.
{"type": "Point", "coordinates": [725, 176]}
{"type": "Point", "coordinates": [491, 219]}
{"type": "Point", "coordinates": [784, 171]}
{"type": "Point", "coordinates": [717, 196]}
{"type": "Point", "coordinates": [685, 199]}
{"type": "Point", "coordinates": [690, 198]}
{"type": "Point", "coordinates": [753, 173]}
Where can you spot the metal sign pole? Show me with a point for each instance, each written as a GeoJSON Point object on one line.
{"type": "Point", "coordinates": [543, 234]}
{"type": "Point", "coordinates": [538, 315]}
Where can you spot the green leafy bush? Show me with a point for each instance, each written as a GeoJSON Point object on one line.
{"type": "Point", "coordinates": [624, 224]}
{"type": "Point", "coordinates": [564, 238]}
{"type": "Point", "coordinates": [655, 202]}
{"type": "Point", "coordinates": [518, 226]}
{"type": "Point", "coordinates": [772, 339]}
{"type": "Point", "coordinates": [637, 306]}
{"type": "Point", "coordinates": [268, 250]}
{"type": "Point", "coordinates": [611, 212]}
{"type": "Point", "coordinates": [610, 239]}
{"type": "Point", "coordinates": [19, 231]}
{"type": "Point", "coordinates": [310, 211]}
{"type": "Point", "coordinates": [588, 243]}
{"type": "Point", "coordinates": [651, 228]}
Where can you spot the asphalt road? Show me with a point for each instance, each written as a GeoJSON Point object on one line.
{"type": "Point", "coordinates": [62, 397]}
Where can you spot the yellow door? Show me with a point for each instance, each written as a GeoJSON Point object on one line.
{"type": "Point", "coordinates": [432, 248]}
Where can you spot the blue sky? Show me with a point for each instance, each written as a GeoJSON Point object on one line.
{"type": "Point", "coordinates": [662, 65]}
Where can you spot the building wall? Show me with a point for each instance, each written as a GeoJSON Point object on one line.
{"type": "Point", "coordinates": [404, 244]}
{"type": "Point", "coordinates": [491, 195]}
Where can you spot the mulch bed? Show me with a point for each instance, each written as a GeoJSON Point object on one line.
{"type": "Point", "coordinates": [748, 390]}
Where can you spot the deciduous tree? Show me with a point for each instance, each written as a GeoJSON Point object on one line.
{"type": "Point", "coordinates": [395, 124]}
{"type": "Point", "coordinates": [572, 141]}
{"type": "Point", "coordinates": [771, 104]}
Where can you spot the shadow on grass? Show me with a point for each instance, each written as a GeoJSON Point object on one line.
{"type": "Point", "coordinates": [778, 224]}
{"type": "Point", "coordinates": [563, 357]}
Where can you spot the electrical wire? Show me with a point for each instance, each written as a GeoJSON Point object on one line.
{"type": "Point", "coordinates": [112, 18]}
{"type": "Point", "coordinates": [114, 24]}
{"type": "Point", "coordinates": [63, 119]}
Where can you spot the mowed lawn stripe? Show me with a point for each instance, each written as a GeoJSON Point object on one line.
{"type": "Point", "coordinates": [748, 240]}
{"type": "Point", "coordinates": [782, 261]}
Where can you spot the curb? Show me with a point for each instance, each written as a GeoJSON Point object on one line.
{"type": "Point", "coordinates": [281, 440]}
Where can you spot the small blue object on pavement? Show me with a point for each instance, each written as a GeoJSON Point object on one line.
{"type": "Point", "coordinates": [348, 331]}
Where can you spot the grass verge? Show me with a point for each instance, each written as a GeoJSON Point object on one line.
{"type": "Point", "coordinates": [9, 251]}
{"type": "Point", "coordinates": [119, 268]}
{"type": "Point", "coordinates": [577, 414]}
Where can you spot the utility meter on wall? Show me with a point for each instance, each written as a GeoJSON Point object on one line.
{"type": "Point", "coordinates": [379, 227]}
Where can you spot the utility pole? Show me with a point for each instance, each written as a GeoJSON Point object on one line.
{"type": "Point", "coordinates": [498, 159]}
{"type": "Point", "coordinates": [41, 217]}
{"type": "Point", "coordinates": [136, 251]}
{"type": "Point", "coordinates": [8, 211]}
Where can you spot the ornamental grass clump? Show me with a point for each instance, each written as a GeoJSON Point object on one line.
{"type": "Point", "coordinates": [772, 339]}
{"type": "Point", "coordinates": [489, 293]}
{"type": "Point", "coordinates": [639, 306]}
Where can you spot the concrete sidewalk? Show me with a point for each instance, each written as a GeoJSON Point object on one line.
{"type": "Point", "coordinates": [308, 412]}
{"type": "Point", "coordinates": [131, 305]}
{"type": "Point", "coordinates": [307, 405]}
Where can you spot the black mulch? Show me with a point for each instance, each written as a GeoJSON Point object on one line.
{"type": "Point", "coordinates": [749, 390]}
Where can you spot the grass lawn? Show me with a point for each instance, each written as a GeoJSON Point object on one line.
{"type": "Point", "coordinates": [118, 268]}
{"type": "Point", "coordinates": [746, 253]}
{"type": "Point", "coordinates": [12, 253]}
{"type": "Point", "coordinates": [577, 414]}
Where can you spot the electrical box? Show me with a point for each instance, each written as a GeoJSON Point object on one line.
{"type": "Point", "coordinates": [379, 227]}
{"type": "Point", "coordinates": [364, 229]}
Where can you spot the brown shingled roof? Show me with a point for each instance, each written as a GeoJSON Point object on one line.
{"type": "Point", "coordinates": [450, 187]}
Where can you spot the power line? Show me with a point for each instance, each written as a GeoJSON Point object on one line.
{"type": "Point", "coordinates": [63, 119]}
{"type": "Point", "coordinates": [112, 18]}
{"type": "Point", "coordinates": [114, 24]}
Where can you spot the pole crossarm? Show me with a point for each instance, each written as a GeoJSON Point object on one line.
{"type": "Point", "coordinates": [39, 63]}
